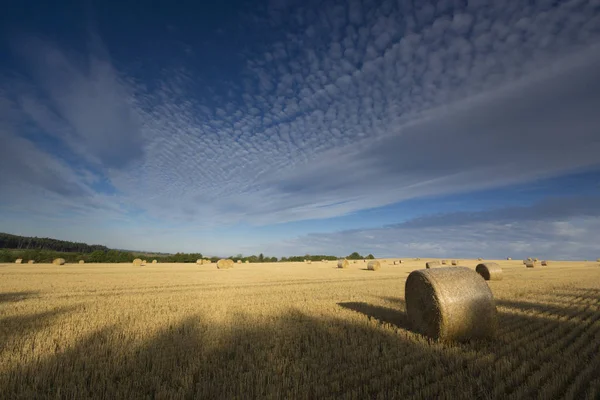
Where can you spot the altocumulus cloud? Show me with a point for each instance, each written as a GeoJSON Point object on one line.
{"type": "Point", "coordinates": [351, 106]}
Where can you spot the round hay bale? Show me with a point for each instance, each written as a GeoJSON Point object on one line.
{"type": "Point", "coordinates": [444, 262]}
{"type": "Point", "coordinates": [154, 261]}
{"type": "Point", "coordinates": [225, 263]}
{"type": "Point", "coordinates": [137, 262]}
{"type": "Point", "coordinates": [81, 261]}
{"type": "Point", "coordinates": [454, 262]}
{"type": "Point", "coordinates": [354, 262]}
{"type": "Point", "coordinates": [529, 263]}
{"type": "Point", "coordinates": [431, 264]}
{"type": "Point", "coordinates": [144, 262]}
{"type": "Point", "coordinates": [30, 262]}
{"type": "Point", "coordinates": [373, 265]}
{"type": "Point", "coordinates": [529, 259]}
{"type": "Point", "coordinates": [508, 258]}
{"type": "Point", "coordinates": [395, 262]}
{"type": "Point", "coordinates": [489, 271]}
{"type": "Point", "coordinates": [451, 303]}
{"type": "Point", "coordinates": [239, 261]}
{"type": "Point", "coordinates": [536, 259]}
{"type": "Point", "coordinates": [343, 264]}
{"type": "Point", "coordinates": [309, 261]}
{"type": "Point", "coordinates": [59, 261]}
{"type": "Point", "coordinates": [400, 261]}
{"type": "Point", "coordinates": [247, 262]}
{"type": "Point", "coordinates": [544, 263]}
{"type": "Point", "coordinates": [199, 261]}
{"type": "Point", "coordinates": [18, 261]}
{"type": "Point", "coordinates": [480, 259]}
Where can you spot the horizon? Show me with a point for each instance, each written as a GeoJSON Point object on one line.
{"type": "Point", "coordinates": [287, 128]}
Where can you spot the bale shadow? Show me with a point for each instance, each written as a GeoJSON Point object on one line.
{"type": "Point", "coordinates": [382, 314]}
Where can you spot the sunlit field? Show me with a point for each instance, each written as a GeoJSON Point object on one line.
{"type": "Point", "coordinates": [286, 330]}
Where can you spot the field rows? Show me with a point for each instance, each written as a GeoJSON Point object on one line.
{"type": "Point", "coordinates": [286, 330]}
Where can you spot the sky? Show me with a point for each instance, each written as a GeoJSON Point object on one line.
{"type": "Point", "coordinates": [400, 128]}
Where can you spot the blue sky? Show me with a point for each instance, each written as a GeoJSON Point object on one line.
{"type": "Point", "coordinates": [398, 128]}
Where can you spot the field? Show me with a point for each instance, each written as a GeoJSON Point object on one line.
{"type": "Point", "coordinates": [286, 330]}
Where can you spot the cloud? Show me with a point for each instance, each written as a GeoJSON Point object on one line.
{"type": "Point", "coordinates": [560, 228]}
{"type": "Point", "coordinates": [344, 109]}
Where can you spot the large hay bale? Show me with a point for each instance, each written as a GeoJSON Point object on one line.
{"type": "Point", "coordinates": [81, 261]}
{"type": "Point", "coordinates": [451, 303]}
{"type": "Point", "coordinates": [454, 262]}
{"type": "Point", "coordinates": [30, 262]}
{"type": "Point", "coordinates": [544, 263]}
{"type": "Point", "coordinates": [154, 261]}
{"type": "Point", "coordinates": [489, 271]}
{"type": "Point", "coordinates": [343, 264]}
{"type": "Point", "coordinates": [373, 265]}
{"type": "Point", "coordinates": [18, 261]}
{"type": "Point", "coordinates": [137, 262]}
{"type": "Point", "coordinates": [529, 263]}
{"type": "Point", "coordinates": [225, 263]}
{"type": "Point", "coordinates": [59, 261]}
{"type": "Point", "coordinates": [431, 264]}
{"type": "Point", "coordinates": [444, 262]}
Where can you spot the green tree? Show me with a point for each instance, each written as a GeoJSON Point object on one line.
{"type": "Point", "coordinates": [355, 256]}
{"type": "Point", "coordinates": [370, 257]}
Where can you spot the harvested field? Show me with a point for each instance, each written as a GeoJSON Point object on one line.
{"type": "Point", "coordinates": [286, 330]}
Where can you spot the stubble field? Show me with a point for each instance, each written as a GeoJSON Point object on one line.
{"type": "Point", "coordinates": [286, 330]}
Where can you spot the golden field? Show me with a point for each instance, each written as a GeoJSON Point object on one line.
{"type": "Point", "coordinates": [286, 330]}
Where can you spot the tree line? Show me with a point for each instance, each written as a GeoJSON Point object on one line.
{"type": "Point", "coordinates": [44, 250]}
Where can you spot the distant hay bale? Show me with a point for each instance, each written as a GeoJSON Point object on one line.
{"type": "Point", "coordinates": [154, 261]}
{"type": "Point", "coordinates": [59, 261]}
{"type": "Point", "coordinates": [30, 262]}
{"type": "Point", "coordinates": [400, 261]}
{"type": "Point", "coordinates": [81, 261]}
{"type": "Point", "coordinates": [239, 261]}
{"type": "Point", "coordinates": [18, 261]}
{"type": "Point", "coordinates": [454, 262]}
{"type": "Point", "coordinates": [529, 259]}
{"type": "Point", "coordinates": [137, 262]}
{"type": "Point", "coordinates": [544, 263]}
{"type": "Point", "coordinates": [490, 271]}
{"type": "Point", "coordinates": [444, 262]}
{"type": "Point", "coordinates": [508, 258]}
{"type": "Point", "coordinates": [395, 262]}
{"type": "Point", "coordinates": [309, 261]}
{"type": "Point", "coordinates": [480, 259]}
{"type": "Point", "coordinates": [529, 263]}
{"type": "Point", "coordinates": [451, 303]}
{"type": "Point", "coordinates": [431, 264]}
{"type": "Point", "coordinates": [199, 261]}
{"type": "Point", "coordinates": [225, 263]}
{"type": "Point", "coordinates": [354, 262]}
{"type": "Point", "coordinates": [373, 265]}
{"type": "Point", "coordinates": [144, 262]}
{"type": "Point", "coordinates": [343, 264]}
{"type": "Point", "coordinates": [207, 262]}
{"type": "Point", "coordinates": [305, 261]}
{"type": "Point", "coordinates": [247, 262]}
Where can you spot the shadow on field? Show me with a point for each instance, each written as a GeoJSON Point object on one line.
{"type": "Point", "coordinates": [11, 297]}
{"type": "Point", "coordinates": [383, 314]}
{"type": "Point", "coordinates": [299, 356]}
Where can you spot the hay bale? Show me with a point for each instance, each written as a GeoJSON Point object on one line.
{"type": "Point", "coordinates": [343, 264]}
{"type": "Point", "coordinates": [373, 265]}
{"type": "Point", "coordinates": [30, 262]}
{"type": "Point", "coordinates": [18, 261]}
{"type": "Point", "coordinates": [508, 258]}
{"type": "Point", "coordinates": [81, 261]}
{"type": "Point", "coordinates": [144, 262]}
{"type": "Point", "coordinates": [199, 261]}
{"type": "Point", "coordinates": [59, 261]}
{"type": "Point", "coordinates": [536, 259]}
{"type": "Point", "coordinates": [529, 263]}
{"type": "Point", "coordinates": [137, 262]}
{"type": "Point", "coordinates": [529, 259]}
{"type": "Point", "coordinates": [489, 271]}
{"type": "Point", "coordinates": [431, 264]}
{"type": "Point", "coordinates": [154, 261]}
{"type": "Point", "coordinates": [451, 303]}
{"type": "Point", "coordinates": [247, 262]}
{"type": "Point", "coordinates": [444, 262]}
{"type": "Point", "coordinates": [400, 261]}
{"type": "Point", "coordinates": [239, 261]}
{"type": "Point", "coordinates": [480, 259]}
{"type": "Point", "coordinates": [544, 263]}
{"type": "Point", "coordinates": [354, 262]}
{"type": "Point", "coordinates": [454, 262]}
{"type": "Point", "coordinates": [225, 263]}
{"type": "Point", "coordinates": [309, 261]}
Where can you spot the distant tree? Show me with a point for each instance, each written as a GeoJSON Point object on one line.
{"type": "Point", "coordinates": [355, 256]}
{"type": "Point", "coordinates": [370, 257]}
{"type": "Point", "coordinates": [261, 257]}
